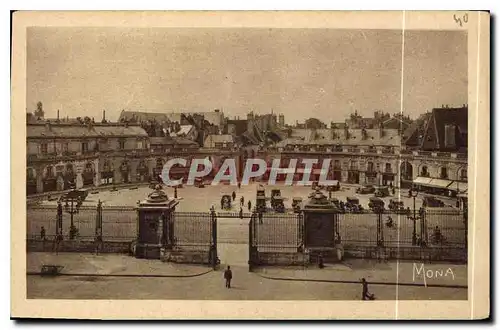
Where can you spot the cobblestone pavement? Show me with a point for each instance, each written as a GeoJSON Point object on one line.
{"type": "Point", "coordinates": [109, 264]}
{"type": "Point", "coordinates": [404, 273]}
{"type": "Point", "coordinates": [246, 285]}
{"type": "Point", "coordinates": [201, 199]}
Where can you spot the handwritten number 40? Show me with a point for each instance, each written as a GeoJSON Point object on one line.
{"type": "Point", "coordinates": [461, 20]}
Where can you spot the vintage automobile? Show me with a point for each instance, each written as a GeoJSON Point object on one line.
{"type": "Point", "coordinates": [430, 201]}
{"type": "Point", "coordinates": [382, 191]}
{"type": "Point", "coordinates": [296, 204]}
{"type": "Point", "coordinates": [397, 206]}
{"type": "Point", "coordinates": [278, 204]}
{"type": "Point", "coordinates": [261, 200]}
{"type": "Point", "coordinates": [333, 187]}
{"type": "Point", "coordinates": [365, 190]}
{"type": "Point", "coordinates": [226, 202]}
{"type": "Point", "coordinates": [198, 182]}
{"type": "Point", "coordinates": [352, 205]}
{"type": "Point", "coordinates": [376, 204]}
{"type": "Point", "coordinates": [81, 194]}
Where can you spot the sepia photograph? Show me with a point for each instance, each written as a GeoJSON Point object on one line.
{"type": "Point", "coordinates": [210, 161]}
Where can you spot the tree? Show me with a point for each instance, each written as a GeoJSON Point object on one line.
{"type": "Point", "coordinates": [39, 113]}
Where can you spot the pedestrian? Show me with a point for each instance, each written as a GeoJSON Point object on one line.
{"type": "Point", "coordinates": [249, 206]}
{"type": "Point", "coordinates": [241, 212]}
{"type": "Point", "coordinates": [58, 240]}
{"type": "Point", "coordinates": [42, 233]}
{"type": "Point", "coordinates": [175, 192]}
{"type": "Point", "coordinates": [242, 201]}
{"type": "Point", "coordinates": [234, 196]}
{"type": "Point", "coordinates": [98, 241]}
{"type": "Point", "coordinates": [228, 276]}
{"type": "Point", "coordinates": [222, 203]}
{"type": "Point", "coordinates": [365, 295]}
{"type": "Point", "coordinates": [239, 185]}
{"type": "Point", "coordinates": [321, 264]}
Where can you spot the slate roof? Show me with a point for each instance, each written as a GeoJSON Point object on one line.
{"type": "Point", "coordinates": [54, 130]}
{"type": "Point", "coordinates": [324, 137]}
{"type": "Point", "coordinates": [168, 140]}
{"type": "Point", "coordinates": [212, 117]}
{"type": "Point", "coordinates": [211, 139]}
{"type": "Point", "coordinates": [449, 116]}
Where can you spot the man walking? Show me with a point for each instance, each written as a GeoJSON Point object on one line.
{"type": "Point", "coordinates": [234, 196]}
{"type": "Point", "coordinates": [228, 275]}
{"type": "Point", "coordinates": [242, 200]}
{"type": "Point", "coordinates": [249, 206]}
{"type": "Point", "coordinates": [365, 295]}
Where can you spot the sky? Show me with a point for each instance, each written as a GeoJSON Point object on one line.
{"type": "Point", "coordinates": [302, 73]}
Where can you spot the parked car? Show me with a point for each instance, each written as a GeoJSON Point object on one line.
{"type": "Point", "coordinates": [365, 190]}
{"type": "Point", "coordinates": [397, 206]}
{"type": "Point", "coordinates": [430, 201]}
{"type": "Point", "coordinates": [333, 187]}
{"type": "Point", "coordinates": [376, 204]}
{"type": "Point", "coordinates": [352, 205]}
{"type": "Point", "coordinates": [226, 202]}
{"type": "Point", "coordinates": [296, 204]}
{"type": "Point", "coordinates": [382, 191]}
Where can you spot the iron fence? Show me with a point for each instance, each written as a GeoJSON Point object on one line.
{"type": "Point", "coordinates": [445, 227]}
{"type": "Point", "coordinates": [117, 224]}
{"type": "Point", "coordinates": [193, 230]}
{"type": "Point", "coordinates": [401, 229]}
{"type": "Point", "coordinates": [276, 232]}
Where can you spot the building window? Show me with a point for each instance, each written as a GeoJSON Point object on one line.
{"type": "Point", "coordinates": [65, 147]}
{"type": "Point", "coordinates": [140, 144]}
{"type": "Point", "coordinates": [463, 174]}
{"type": "Point", "coordinates": [370, 167]}
{"type": "Point", "coordinates": [424, 171]}
{"type": "Point", "coordinates": [444, 173]}
{"type": "Point", "coordinates": [388, 168]}
{"type": "Point", "coordinates": [121, 144]}
{"type": "Point", "coordinates": [85, 147]}
{"type": "Point", "coordinates": [102, 144]}
{"type": "Point", "coordinates": [43, 148]}
{"type": "Point", "coordinates": [337, 165]}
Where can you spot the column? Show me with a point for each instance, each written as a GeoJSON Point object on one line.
{"type": "Point", "coordinates": [79, 180]}
{"type": "Point", "coordinates": [97, 173]}
{"type": "Point", "coordinates": [133, 170]}
{"type": "Point", "coordinates": [39, 181]}
{"type": "Point", "coordinates": [344, 175]}
{"type": "Point", "coordinates": [362, 178]}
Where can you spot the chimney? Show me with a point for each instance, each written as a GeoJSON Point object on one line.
{"type": "Point", "coordinates": [103, 116]}
{"type": "Point", "coordinates": [57, 115]}
{"type": "Point", "coordinates": [250, 122]}
{"type": "Point", "coordinates": [364, 135]}
{"type": "Point", "coordinates": [381, 130]}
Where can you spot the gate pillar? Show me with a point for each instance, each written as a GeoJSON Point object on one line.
{"type": "Point", "coordinates": [154, 224]}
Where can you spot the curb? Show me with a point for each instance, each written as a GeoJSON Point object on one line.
{"type": "Point", "coordinates": [358, 282]}
{"type": "Point", "coordinates": [119, 275]}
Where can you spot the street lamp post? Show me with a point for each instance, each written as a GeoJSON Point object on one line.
{"type": "Point", "coordinates": [72, 206]}
{"type": "Point", "coordinates": [414, 193]}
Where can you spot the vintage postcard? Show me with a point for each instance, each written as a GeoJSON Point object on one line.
{"type": "Point", "coordinates": [251, 165]}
